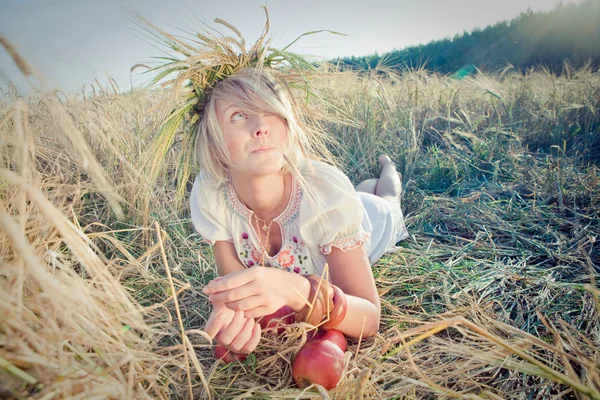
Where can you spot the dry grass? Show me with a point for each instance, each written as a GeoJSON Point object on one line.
{"type": "Point", "coordinates": [495, 294]}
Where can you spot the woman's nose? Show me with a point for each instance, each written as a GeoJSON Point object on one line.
{"type": "Point", "coordinates": [261, 127]}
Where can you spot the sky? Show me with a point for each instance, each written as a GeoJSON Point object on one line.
{"type": "Point", "coordinates": [73, 42]}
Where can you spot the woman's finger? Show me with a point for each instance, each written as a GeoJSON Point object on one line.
{"type": "Point", "coordinates": [219, 319]}
{"type": "Point", "coordinates": [247, 303]}
{"type": "Point", "coordinates": [226, 335]}
{"type": "Point", "coordinates": [253, 342]}
{"type": "Point", "coordinates": [230, 281]}
{"type": "Point", "coordinates": [258, 312]}
{"type": "Point", "coordinates": [235, 294]}
{"type": "Point", "coordinates": [243, 336]}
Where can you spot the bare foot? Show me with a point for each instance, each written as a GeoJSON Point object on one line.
{"type": "Point", "coordinates": [384, 160]}
{"type": "Point", "coordinates": [390, 182]}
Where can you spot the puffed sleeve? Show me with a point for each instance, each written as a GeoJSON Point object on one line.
{"type": "Point", "coordinates": [331, 213]}
{"type": "Point", "coordinates": [207, 209]}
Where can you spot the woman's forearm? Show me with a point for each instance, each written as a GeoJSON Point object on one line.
{"type": "Point", "coordinates": [362, 318]}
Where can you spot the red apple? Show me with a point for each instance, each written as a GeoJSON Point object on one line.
{"type": "Point", "coordinates": [228, 356]}
{"type": "Point", "coordinates": [280, 318]}
{"type": "Point", "coordinates": [333, 335]}
{"type": "Point", "coordinates": [320, 362]}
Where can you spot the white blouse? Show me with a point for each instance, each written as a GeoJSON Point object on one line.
{"type": "Point", "coordinates": [309, 229]}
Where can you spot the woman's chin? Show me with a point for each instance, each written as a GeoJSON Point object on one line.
{"type": "Point", "coordinates": [263, 167]}
{"type": "Point", "coordinates": [271, 163]}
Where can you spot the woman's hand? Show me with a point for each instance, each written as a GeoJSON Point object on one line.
{"type": "Point", "coordinates": [232, 330]}
{"type": "Point", "coordinates": [259, 291]}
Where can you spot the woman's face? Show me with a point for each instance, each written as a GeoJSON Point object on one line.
{"type": "Point", "coordinates": [256, 141]}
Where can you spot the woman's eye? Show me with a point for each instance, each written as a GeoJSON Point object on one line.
{"type": "Point", "coordinates": [238, 116]}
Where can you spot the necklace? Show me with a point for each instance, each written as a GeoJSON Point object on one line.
{"type": "Point", "coordinates": [263, 244]}
{"type": "Point", "coordinates": [266, 227]}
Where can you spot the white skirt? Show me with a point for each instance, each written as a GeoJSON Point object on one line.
{"type": "Point", "coordinates": [384, 220]}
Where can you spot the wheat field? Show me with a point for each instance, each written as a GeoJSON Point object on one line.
{"type": "Point", "coordinates": [494, 295]}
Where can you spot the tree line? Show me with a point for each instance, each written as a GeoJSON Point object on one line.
{"type": "Point", "coordinates": [568, 33]}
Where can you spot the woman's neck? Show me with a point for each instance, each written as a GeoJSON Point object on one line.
{"type": "Point", "coordinates": [265, 195]}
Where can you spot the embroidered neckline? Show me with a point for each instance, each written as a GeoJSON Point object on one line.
{"type": "Point", "coordinates": [284, 218]}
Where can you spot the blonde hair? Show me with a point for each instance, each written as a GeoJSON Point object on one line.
{"type": "Point", "coordinates": [258, 91]}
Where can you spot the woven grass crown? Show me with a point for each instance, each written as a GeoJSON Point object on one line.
{"type": "Point", "coordinates": [190, 74]}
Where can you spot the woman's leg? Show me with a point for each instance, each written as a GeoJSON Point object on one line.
{"type": "Point", "coordinates": [367, 186]}
{"type": "Point", "coordinates": [389, 183]}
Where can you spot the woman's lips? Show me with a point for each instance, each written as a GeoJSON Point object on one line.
{"type": "Point", "coordinates": [263, 150]}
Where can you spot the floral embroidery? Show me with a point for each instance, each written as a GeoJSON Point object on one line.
{"type": "Point", "coordinates": [233, 202]}
{"type": "Point", "coordinates": [347, 241]}
{"type": "Point", "coordinates": [255, 255]}
{"type": "Point", "coordinates": [246, 247]}
{"type": "Point", "coordinates": [298, 250]}
{"type": "Point", "coordinates": [293, 208]}
{"type": "Point", "coordinates": [246, 244]}
{"type": "Point", "coordinates": [288, 215]}
{"type": "Point", "coordinates": [285, 258]}
{"type": "Point", "coordinates": [290, 258]}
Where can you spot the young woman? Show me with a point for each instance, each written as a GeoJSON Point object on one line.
{"type": "Point", "coordinates": [276, 215]}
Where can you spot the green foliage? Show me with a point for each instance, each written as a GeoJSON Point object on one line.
{"type": "Point", "coordinates": [569, 33]}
